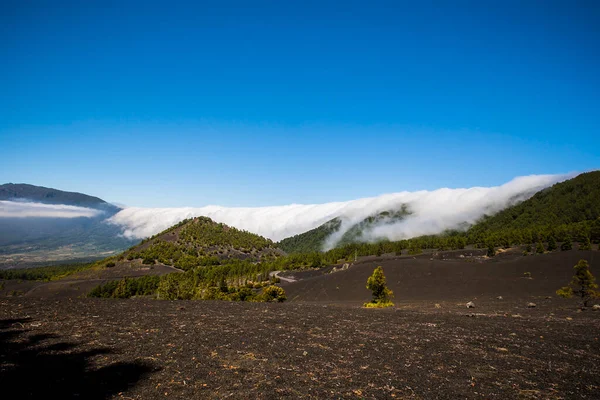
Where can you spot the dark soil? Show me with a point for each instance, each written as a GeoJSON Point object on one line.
{"type": "Point", "coordinates": [446, 277]}
{"type": "Point", "coordinates": [321, 344]}
{"type": "Point", "coordinates": [146, 349]}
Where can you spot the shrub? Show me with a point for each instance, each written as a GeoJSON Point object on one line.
{"type": "Point", "coordinates": [273, 294]}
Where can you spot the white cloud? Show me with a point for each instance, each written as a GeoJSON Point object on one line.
{"type": "Point", "coordinates": [432, 212]}
{"type": "Point", "coordinates": [20, 209]}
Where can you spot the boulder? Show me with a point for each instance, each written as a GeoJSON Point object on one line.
{"type": "Point", "coordinates": [470, 305]}
{"type": "Point", "coordinates": [531, 305]}
{"type": "Point", "coordinates": [596, 307]}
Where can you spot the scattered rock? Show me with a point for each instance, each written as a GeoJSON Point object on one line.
{"type": "Point", "coordinates": [569, 319]}
{"type": "Point", "coordinates": [502, 349]}
{"type": "Point", "coordinates": [470, 305]}
{"type": "Point", "coordinates": [517, 316]}
{"type": "Point", "coordinates": [548, 297]}
{"type": "Point", "coordinates": [438, 306]}
{"type": "Point", "coordinates": [531, 305]}
{"type": "Point", "coordinates": [499, 298]}
{"type": "Point", "coordinates": [596, 307]}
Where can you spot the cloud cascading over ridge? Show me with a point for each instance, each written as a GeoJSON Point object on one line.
{"type": "Point", "coordinates": [23, 209]}
{"type": "Point", "coordinates": [431, 212]}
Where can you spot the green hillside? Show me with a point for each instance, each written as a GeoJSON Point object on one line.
{"type": "Point", "coordinates": [567, 210]}
{"type": "Point", "coordinates": [201, 241]}
{"type": "Point", "coordinates": [571, 207]}
{"type": "Point", "coordinates": [314, 240]}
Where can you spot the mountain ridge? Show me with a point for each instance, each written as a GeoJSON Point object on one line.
{"type": "Point", "coordinates": [46, 195]}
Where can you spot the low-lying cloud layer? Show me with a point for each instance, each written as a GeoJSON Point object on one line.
{"type": "Point", "coordinates": [431, 212]}
{"type": "Point", "coordinates": [22, 209]}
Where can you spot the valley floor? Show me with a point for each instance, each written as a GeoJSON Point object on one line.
{"type": "Point", "coordinates": [148, 349]}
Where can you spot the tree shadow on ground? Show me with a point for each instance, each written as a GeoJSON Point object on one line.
{"type": "Point", "coordinates": [43, 366]}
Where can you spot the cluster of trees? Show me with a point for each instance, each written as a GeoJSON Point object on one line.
{"type": "Point", "coordinates": [315, 239]}
{"type": "Point", "coordinates": [567, 211]}
{"type": "Point", "coordinates": [44, 273]}
{"type": "Point", "coordinates": [565, 203]}
{"type": "Point", "coordinates": [312, 240]}
{"type": "Point", "coordinates": [583, 232]}
{"type": "Point", "coordinates": [127, 287]}
{"type": "Point", "coordinates": [202, 242]}
{"type": "Point", "coordinates": [170, 253]}
{"type": "Point", "coordinates": [204, 232]}
{"type": "Point", "coordinates": [191, 286]}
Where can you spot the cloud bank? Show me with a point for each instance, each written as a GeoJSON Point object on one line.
{"type": "Point", "coordinates": [21, 209]}
{"type": "Point", "coordinates": [432, 212]}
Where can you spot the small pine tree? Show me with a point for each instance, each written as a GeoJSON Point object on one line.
{"type": "Point", "coordinates": [586, 245]}
{"type": "Point", "coordinates": [122, 291]}
{"type": "Point", "coordinates": [567, 244]}
{"type": "Point", "coordinates": [583, 284]}
{"type": "Point", "coordinates": [491, 251]}
{"type": "Point", "coordinates": [539, 248]}
{"type": "Point", "coordinates": [552, 244]}
{"type": "Point", "coordinates": [381, 294]}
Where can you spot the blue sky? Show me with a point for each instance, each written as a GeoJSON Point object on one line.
{"type": "Point", "coordinates": [269, 103]}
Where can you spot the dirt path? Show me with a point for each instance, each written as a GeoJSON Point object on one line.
{"type": "Point", "coordinates": [282, 278]}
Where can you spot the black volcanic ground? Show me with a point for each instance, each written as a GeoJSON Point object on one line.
{"type": "Point", "coordinates": [321, 344]}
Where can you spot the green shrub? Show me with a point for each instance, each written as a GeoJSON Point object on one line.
{"type": "Point", "coordinates": [273, 294]}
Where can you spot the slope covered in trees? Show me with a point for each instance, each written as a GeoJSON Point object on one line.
{"type": "Point", "coordinates": [575, 200]}
{"type": "Point", "coordinates": [315, 239]}
{"type": "Point", "coordinates": [566, 210]}
{"type": "Point", "coordinates": [312, 240]}
{"type": "Point", "coordinates": [201, 241]}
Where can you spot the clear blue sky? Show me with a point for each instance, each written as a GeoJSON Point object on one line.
{"type": "Point", "coordinates": [268, 103]}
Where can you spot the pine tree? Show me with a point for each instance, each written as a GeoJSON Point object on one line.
{"type": "Point", "coordinates": [586, 245]}
{"type": "Point", "coordinates": [377, 284]}
{"type": "Point", "coordinates": [552, 244]}
{"type": "Point", "coordinates": [539, 248]}
{"type": "Point", "coordinates": [567, 244]}
{"type": "Point", "coordinates": [491, 251]}
{"type": "Point", "coordinates": [583, 284]}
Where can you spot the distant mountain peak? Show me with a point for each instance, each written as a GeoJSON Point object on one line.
{"type": "Point", "coordinates": [45, 195]}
